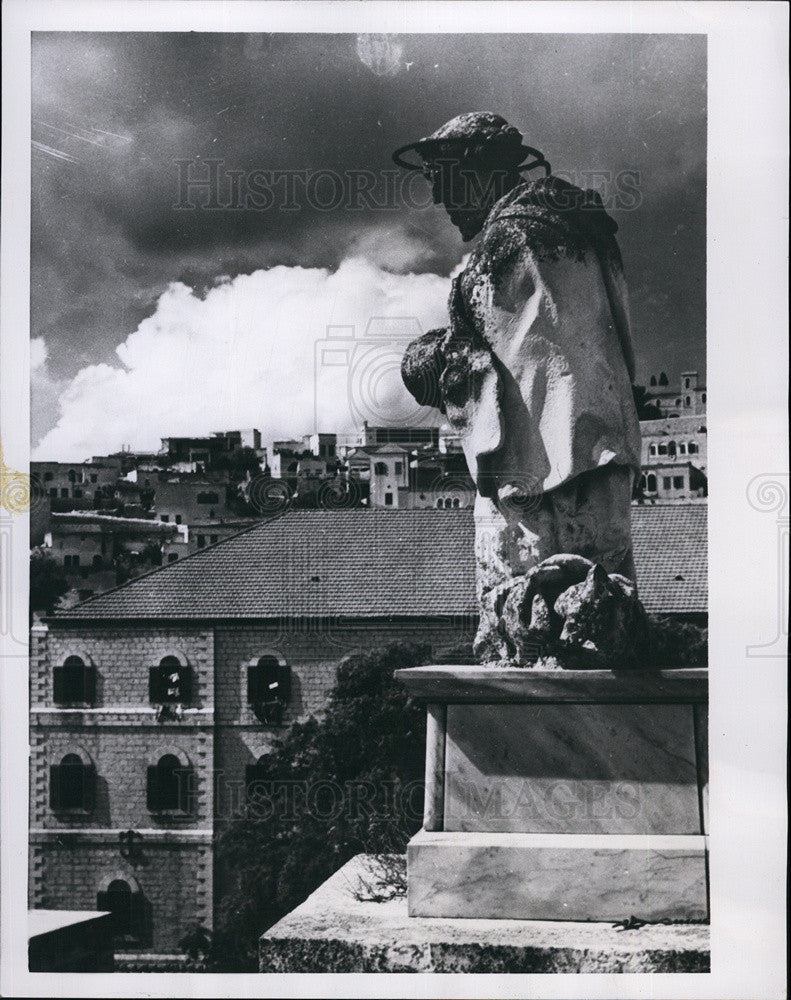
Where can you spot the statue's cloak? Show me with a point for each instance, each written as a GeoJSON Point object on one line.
{"type": "Point", "coordinates": [540, 321]}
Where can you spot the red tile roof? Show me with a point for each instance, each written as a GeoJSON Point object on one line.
{"type": "Point", "coordinates": [377, 563]}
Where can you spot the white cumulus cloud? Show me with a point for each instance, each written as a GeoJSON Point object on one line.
{"type": "Point", "coordinates": [287, 350]}
{"type": "Point", "coordinates": [44, 389]}
{"type": "Point", "coordinates": [38, 353]}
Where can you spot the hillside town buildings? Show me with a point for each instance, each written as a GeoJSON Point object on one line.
{"type": "Point", "coordinates": [193, 483]}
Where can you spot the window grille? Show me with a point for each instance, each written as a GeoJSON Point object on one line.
{"type": "Point", "coordinates": [269, 689]}
{"type": "Point", "coordinates": [170, 683]}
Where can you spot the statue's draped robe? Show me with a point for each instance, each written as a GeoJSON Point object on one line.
{"type": "Point", "coordinates": [537, 378]}
{"type": "Point", "coordinates": [543, 295]}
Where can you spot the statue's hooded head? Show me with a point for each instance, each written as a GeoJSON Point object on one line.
{"type": "Point", "coordinates": [470, 162]}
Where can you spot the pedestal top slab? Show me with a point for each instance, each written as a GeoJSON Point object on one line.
{"type": "Point", "coordinates": [335, 930]}
{"type": "Point", "coordinates": [453, 683]}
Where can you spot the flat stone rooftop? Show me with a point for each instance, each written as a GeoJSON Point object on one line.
{"type": "Point", "coordinates": [336, 931]}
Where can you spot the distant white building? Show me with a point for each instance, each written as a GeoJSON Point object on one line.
{"type": "Point", "coordinates": [675, 440]}
{"type": "Point", "coordinates": [673, 481]}
{"type": "Point", "coordinates": [689, 399]}
{"type": "Point", "coordinates": [321, 445]}
{"type": "Point", "coordinates": [385, 468]}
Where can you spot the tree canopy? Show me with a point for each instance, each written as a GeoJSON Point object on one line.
{"type": "Point", "coordinates": [48, 582]}
{"type": "Point", "coordinates": [349, 782]}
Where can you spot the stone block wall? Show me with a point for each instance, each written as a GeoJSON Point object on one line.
{"type": "Point", "coordinates": [175, 878]}
{"type": "Point", "coordinates": [74, 855]}
{"type": "Point", "coordinates": [121, 748]}
{"type": "Point", "coordinates": [122, 656]}
{"type": "Point", "coordinates": [312, 651]}
{"type": "Point", "coordinates": [218, 733]}
{"type": "Point", "coordinates": [312, 654]}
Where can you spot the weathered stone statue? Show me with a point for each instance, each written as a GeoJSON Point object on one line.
{"type": "Point", "coordinates": [535, 373]}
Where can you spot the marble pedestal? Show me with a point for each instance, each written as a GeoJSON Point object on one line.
{"type": "Point", "coordinates": [562, 795]}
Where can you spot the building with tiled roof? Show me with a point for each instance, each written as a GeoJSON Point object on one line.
{"type": "Point", "coordinates": [379, 564]}
{"type": "Point", "coordinates": [151, 704]}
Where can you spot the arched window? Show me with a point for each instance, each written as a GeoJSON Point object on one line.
{"type": "Point", "coordinates": [72, 784]}
{"type": "Point", "coordinates": [74, 682]}
{"type": "Point", "coordinates": [448, 503]}
{"type": "Point", "coordinates": [167, 787]}
{"type": "Point", "coordinates": [128, 907]}
{"type": "Point", "coordinates": [118, 900]}
{"type": "Point", "coordinates": [671, 448]}
{"type": "Point", "coordinates": [703, 398]}
{"type": "Point", "coordinates": [651, 483]}
{"type": "Point", "coordinates": [652, 449]}
{"type": "Point", "coordinates": [693, 448]}
{"type": "Point", "coordinates": [687, 401]}
{"type": "Point", "coordinates": [686, 383]}
{"type": "Point", "coordinates": [663, 449]}
{"type": "Point", "coordinates": [682, 448]}
{"type": "Point", "coordinates": [439, 504]}
{"type": "Point", "coordinates": [456, 502]}
{"type": "Point", "coordinates": [269, 688]}
{"type": "Point", "coordinates": [170, 682]}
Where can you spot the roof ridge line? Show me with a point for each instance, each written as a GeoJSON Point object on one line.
{"type": "Point", "coordinates": [164, 566]}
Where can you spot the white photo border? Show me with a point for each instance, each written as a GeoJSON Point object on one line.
{"type": "Point", "coordinates": [747, 380]}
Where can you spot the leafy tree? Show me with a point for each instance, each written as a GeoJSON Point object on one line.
{"type": "Point", "coordinates": [48, 582]}
{"type": "Point", "coordinates": [196, 944]}
{"type": "Point", "coordinates": [350, 782]}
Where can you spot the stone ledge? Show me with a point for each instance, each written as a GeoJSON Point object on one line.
{"type": "Point", "coordinates": [99, 835]}
{"type": "Point", "coordinates": [334, 932]}
{"type": "Point", "coordinates": [446, 683]}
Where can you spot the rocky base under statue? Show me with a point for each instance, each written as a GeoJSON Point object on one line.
{"type": "Point", "coordinates": [565, 612]}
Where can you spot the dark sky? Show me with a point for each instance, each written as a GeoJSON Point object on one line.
{"type": "Point", "coordinates": [113, 112]}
